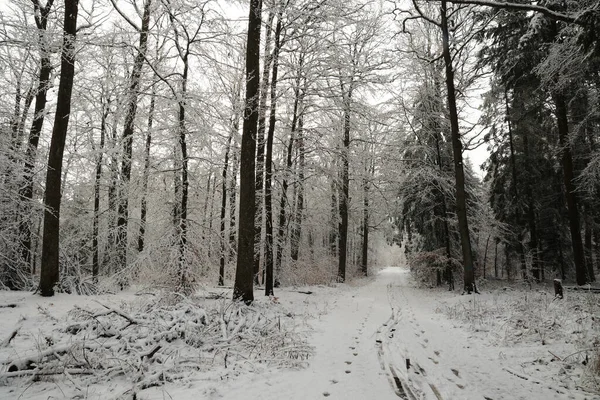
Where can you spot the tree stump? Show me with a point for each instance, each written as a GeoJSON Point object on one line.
{"type": "Point", "coordinates": [558, 289]}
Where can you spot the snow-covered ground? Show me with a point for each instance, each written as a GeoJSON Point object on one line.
{"type": "Point", "coordinates": [353, 341]}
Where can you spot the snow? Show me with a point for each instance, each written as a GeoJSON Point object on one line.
{"type": "Point", "coordinates": [502, 344]}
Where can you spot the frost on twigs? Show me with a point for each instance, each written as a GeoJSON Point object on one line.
{"type": "Point", "coordinates": [160, 341]}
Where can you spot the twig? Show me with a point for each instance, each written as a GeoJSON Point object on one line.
{"type": "Point", "coordinates": [37, 372]}
{"type": "Point", "coordinates": [555, 356]}
{"type": "Point", "coordinates": [10, 337]}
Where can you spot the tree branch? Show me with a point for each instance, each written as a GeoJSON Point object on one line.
{"type": "Point", "coordinates": [521, 7]}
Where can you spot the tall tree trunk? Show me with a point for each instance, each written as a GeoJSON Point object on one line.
{"type": "Point", "coordinates": [588, 231]}
{"type": "Point", "coordinates": [146, 173]}
{"type": "Point", "coordinates": [515, 191]}
{"type": "Point", "coordinates": [533, 235]}
{"type": "Point", "coordinates": [365, 228]}
{"type": "Point", "coordinates": [344, 195]}
{"type": "Point", "coordinates": [34, 137]}
{"type": "Point", "coordinates": [129, 125]}
{"type": "Point", "coordinates": [244, 273]}
{"type": "Point", "coordinates": [50, 247]}
{"type": "Point", "coordinates": [461, 200]}
{"type": "Point", "coordinates": [296, 234]}
{"type": "Point", "coordinates": [269, 167]}
{"type": "Point", "coordinates": [260, 145]}
{"type": "Point", "coordinates": [224, 212]}
{"type": "Point", "coordinates": [184, 278]}
{"type": "Point", "coordinates": [97, 181]}
{"type": "Point", "coordinates": [233, 194]}
{"type": "Point", "coordinates": [113, 201]}
{"type": "Point", "coordinates": [26, 192]}
{"type": "Point", "coordinates": [570, 194]}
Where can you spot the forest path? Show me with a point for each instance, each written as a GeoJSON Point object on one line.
{"type": "Point", "coordinates": [363, 341]}
{"type": "Point", "coordinates": [345, 364]}
{"type": "Point", "coordinates": [447, 361]}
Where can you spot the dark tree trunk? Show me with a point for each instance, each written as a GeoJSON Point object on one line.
{"type": "Point", "coordinates": [211, 214]}
{"type": "Point", "coordinates": [260, 146]}
{"type": "Point", "coordinates": [487, 243]}
{"type": "Point", "coordinates": [146, 173]}
{"type": "Point", "coordinates": [97, 181]}
{"type": "Point", "coordinates": [233, 195]}
{"type": "Point", "coordinates": [224, 212]}
{"type": "Point", "coordinates": [533, 235]}
{"type": "Point", "coordinates": [269, 276]}
{"type": "Point", "coordinates": [281, 237]}
{"type": "Point", "coordinates": [461, 201]}
{"type": "Point", "coordinates": [26, 193]}
{"type": "Point", "coordinates": [50, 247]}
{"type": "Point", "coordinates": [184, 278]}
{"type": "Point", "coordinates": [365, 228]}
{"type": "Point", "coordinates": [205, 231]}
{"type": "Point", "coordinates": [109, 252]}
{"type": "Point", "coordinates": [333, 231]}
{"type": "Point", "coordinates": [244, 273]}
{"type": "Point", "coordinates": [570, 194]}
{"type": "Point", "coordinates": [496, 259]}
{"type": "Point", "coordinates": [344, 195]}
{"type": "Point", "coordinates": [515, 192]}
{"type": "Point", "coordinates": [589, 262]}
{"type": "Point", "coordinates": [132, 103]}
{"type": "Point", "coordinates": [296, 234]}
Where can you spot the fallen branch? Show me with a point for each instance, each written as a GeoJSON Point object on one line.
{"type": "Point", "coordinates": [38, 372]}
{"type": "Point", "coordinates": [132, 321]}
{"type": "Point", "coordinates": [11, 305]}
{"type": "Point", "coordinates": [28, 362]}
{"type": "Point", "coordinates": [10, 337]}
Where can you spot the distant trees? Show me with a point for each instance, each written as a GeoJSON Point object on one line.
{"type": "Point", "coordinates": [351, 133]}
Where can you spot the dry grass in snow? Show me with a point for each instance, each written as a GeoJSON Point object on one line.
{"type": "Point", "coordinates": [147, 341]}
{"type": "Point", "coordinates": [555, 339]}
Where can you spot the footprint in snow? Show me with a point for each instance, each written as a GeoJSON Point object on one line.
{"type": "Point", "coordinates": [326, 394]}
{"type": "Point", "coordinates": [455, 372]}
{"type": "Point", "coordinates": [437, 352]}
{"type": "Point", "coordinates": [334, 381]}
{"type": "Point", "coordinates": [348, 362]}
{"type": "Point", "coordinates": [354, 354]}
{"type": "Point", "coordinates": [348, 371]}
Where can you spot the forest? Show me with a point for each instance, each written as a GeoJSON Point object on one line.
{"type": "Point", "coordinates": [178, 143]}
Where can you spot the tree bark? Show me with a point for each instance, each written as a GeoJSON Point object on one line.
{"type": "Point", "coordinates": [132, 103]}
{"type": "Point", "coordinates": [269, 281]}
{"type": "Point", "coordinates": [26, 193]}
{"type": "Point", "coordinates": [365, 228]}
{"type": "Point", "coordinates": [244, 274]}
{"type": "Point", "coordinates": [570, 194]}
{"type": "Point", "coordinates": [224, 212]}
{"type": "Point", "coordinates": [97, 181]}
{"type": "Point", "coordinates": [260, 145]}
{"type": "Point", "coordinates": [344, 195]}
{"type": "Point", "coordinates": [50, 247]}
{"type": "Point", "coordinates": [296, 235]}
{"type": "Point", "coordinates": [146, 173]}
{"type": "Point", "coordinates": [461, 203]}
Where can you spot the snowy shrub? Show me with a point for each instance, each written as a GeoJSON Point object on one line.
{"type": "Point", "coordinates": [425, 266]}
{"type": "Point", "coordinates": [568, 328]}
{"type": "Point", "coordinates": [162, 340]}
